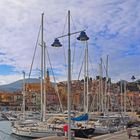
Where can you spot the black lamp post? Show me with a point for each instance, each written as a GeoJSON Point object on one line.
{"type": "Point", "coordinates": [83, 36]}
{"type": "Point", "coordinates": [56, 43]}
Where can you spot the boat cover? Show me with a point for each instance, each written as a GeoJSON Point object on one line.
{"type": "Point", "coordinates": [83, 117]}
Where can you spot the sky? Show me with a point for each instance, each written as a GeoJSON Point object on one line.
{"type": "Point", "coordinates": [113, 28]}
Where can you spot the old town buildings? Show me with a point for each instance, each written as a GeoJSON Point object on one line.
{"type": "Point", "coordinates": [103, 95]}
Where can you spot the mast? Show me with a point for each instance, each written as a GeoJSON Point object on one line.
{"type": "Point", "coordinates": [99, 94]}
{"type": "Point", "coordinates": [132, 98]}
{"type": "Point", "coordinates": [132, 102]}
{"type": "Point", "coordinates": [125, 98]}
{"type": "Point", "coordinates": [44, 77]}
{"type": "Point", "coordinates": [121, 97]}
{"type": "Point", "coordinates": [87, 92]}
{"type": "Point", "coordinates": [85, 83]}
{"type": "Point", "coordinates": [106, 86]}
{"type": "Point", "coordinates": [23, 93]}
{"type": "Point", "coordinates": [101, 86]}
{"type": "Point", "coordinates": [42, 69]}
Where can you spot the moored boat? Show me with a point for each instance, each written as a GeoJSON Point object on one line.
{"type": "Point", "coordinates": [33, 130]}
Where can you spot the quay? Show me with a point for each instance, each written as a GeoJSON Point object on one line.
{"type": "Point", "coordinates": [121, 135]}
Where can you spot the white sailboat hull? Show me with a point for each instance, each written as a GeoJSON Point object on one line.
{"type": "Point", "coordinates": [33, 133]}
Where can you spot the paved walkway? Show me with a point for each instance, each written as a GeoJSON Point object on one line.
{"type": "Point", "coordinates": [118, 136]}
{"type": "Point", "coordinates": [122, 135]}
{"type": "Point", "coordinates": [59, 138]}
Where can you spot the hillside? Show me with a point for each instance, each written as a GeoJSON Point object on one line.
{"type": "Point", "coordinates": [15, 86]}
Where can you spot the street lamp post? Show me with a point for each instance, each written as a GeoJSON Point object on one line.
{"type": "Point", "coordinates": [56, 43]}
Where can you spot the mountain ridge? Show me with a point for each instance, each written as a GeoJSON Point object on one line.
{"type": "Point", "coordinates": [17, 85]}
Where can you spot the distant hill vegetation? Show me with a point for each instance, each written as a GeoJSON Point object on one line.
{"type": "Point", "coordinates": [16, 86]}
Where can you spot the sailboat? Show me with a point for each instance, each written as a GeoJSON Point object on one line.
{"type": "Point", "coordinates": [81, 127]}
{"type": "Point", "coordinates": [30, 128]}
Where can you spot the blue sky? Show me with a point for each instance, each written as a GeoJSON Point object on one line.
{"type": "Point", "coordinates": [113, 27]}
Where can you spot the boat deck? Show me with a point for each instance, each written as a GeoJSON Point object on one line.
{"type": "Point", "coordinates": [121, 135]}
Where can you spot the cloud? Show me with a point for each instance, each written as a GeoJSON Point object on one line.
{"type": "Point", "coordinates": [6, 79]}
{"type": "Point", "coordinates": [113, 28]}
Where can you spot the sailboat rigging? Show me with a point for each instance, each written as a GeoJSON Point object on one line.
{"type": "Point", "coordinates": [36, 129]}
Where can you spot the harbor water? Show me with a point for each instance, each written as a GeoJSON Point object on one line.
{"type": "Point", "coordinates": [6, 134]}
